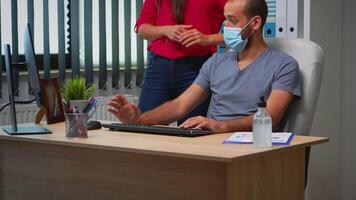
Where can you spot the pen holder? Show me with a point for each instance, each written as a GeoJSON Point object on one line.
{"type": "Point", "coordinates": [76, 124]}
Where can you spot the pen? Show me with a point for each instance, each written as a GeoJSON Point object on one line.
{"type": "Point", "coordinates": [91, 101]}
{"type": "Point", "coordinates": [91, 106]}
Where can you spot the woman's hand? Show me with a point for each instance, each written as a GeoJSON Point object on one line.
{"type": "Point", "coordinates": [205, 123]}
{"type": "Point", "coordinates": [192, 37]}
{"type": "Point", "coordinates": [174, 32]}
{"type": "Point", "coordinates": [126, 112]}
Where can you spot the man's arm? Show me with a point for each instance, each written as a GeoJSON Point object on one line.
{"type": "Point", "coordinates": [168, 112]}
{"type": "Point", "coordinates": [174, 110]}
{"type": "Point", "coordinates": [277, 104]}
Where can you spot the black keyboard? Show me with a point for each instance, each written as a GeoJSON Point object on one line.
{"type": "Point", "coordinates": [162, 130]}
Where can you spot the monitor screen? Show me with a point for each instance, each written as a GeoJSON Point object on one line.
{"type": "Point", "coordinates": [32, 67]}
{"type": "Point", "coordinates": [14, 129]}
{"type": "Point", "coordinates": [10, 86]}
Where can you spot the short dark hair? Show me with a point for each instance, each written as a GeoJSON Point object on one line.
{"type": "Point", "coordinates": [257, 7]}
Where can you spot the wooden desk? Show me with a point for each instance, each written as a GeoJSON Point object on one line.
{"type": "Point", "coordinates": [128, 166]}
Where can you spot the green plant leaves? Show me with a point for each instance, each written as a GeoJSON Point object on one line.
{"type": "Point", "coordinates": [76, 89]}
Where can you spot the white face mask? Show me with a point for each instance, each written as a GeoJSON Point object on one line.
{"type": "Point", "coordinates": [233, 38]}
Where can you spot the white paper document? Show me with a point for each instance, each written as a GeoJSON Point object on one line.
{"type": "Point", "coordinates": [278, 138]}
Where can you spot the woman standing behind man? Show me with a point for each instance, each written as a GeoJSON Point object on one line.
{"type": "Point", "coordinates": [183, 34]}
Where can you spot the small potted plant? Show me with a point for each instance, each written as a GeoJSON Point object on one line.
{"type": "Point", "coordinates": [76, 93]}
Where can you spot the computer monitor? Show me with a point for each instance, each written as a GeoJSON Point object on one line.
{"type": "Point", "coordinates": [14, 129]}
{"type": "Point", "coordinates": [32, 67]}
{"type": "Point", "coordinates": [46, 92]}
{"type": "Point", "coordinates": [10, 85]}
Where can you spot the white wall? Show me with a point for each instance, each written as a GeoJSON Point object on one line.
{"type": "Point", "coordinates": [324, 168]}
{"type": "Point", "coordinates": [348, 100]}
{"type": "Point", "coordinates": [332, 169]}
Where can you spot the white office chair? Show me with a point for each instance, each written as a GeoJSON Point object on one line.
{"type": "Point", "coordinates": [299, 116]}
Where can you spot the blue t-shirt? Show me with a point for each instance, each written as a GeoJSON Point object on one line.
{"type": "Point", "coordinates": [236, 93]}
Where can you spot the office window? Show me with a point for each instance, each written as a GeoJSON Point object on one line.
{"type": "Point", "coordinates": [6, 33]}
{"type": "Point", "coordinates": [108, 33]}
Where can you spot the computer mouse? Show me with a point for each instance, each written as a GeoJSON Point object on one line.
{"type": "Point", "coordinates": [92, 125]}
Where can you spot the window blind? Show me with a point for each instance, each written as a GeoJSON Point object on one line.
{"type": "Point", "coordinates": [74, 28]}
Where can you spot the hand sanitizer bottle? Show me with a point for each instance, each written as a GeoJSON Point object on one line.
{"type": "Point", "coordinates": [262, 126]}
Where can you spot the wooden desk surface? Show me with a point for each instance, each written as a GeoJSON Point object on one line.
{"type": "Point", "coordinates": [205, 147]}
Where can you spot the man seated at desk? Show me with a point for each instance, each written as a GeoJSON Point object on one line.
{"type": "Point", "coordinates": [235, 79]}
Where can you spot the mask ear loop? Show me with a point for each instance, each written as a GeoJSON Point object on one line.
{"type": "Point", "coordinates": [248, 23]}
{"type": "Point", "coordinates": [250, 34]}
{"type": "Point", "coordinates": [246, 26]}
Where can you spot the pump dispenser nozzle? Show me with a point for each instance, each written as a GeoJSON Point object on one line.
{"type": "Point", "coordinates": [262, 102]}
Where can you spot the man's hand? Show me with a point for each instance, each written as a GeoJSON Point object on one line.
{"type": "Point", "coordinates": [206, 123]}
{"type": "Point", "coordinates": [126, 112]}
{"type": "Point", "coordinates": [174, 32]}
{"type": "Point", "coordinates": [192, 37]}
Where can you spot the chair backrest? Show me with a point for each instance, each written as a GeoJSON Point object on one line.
{"type": "Point", "coordinates": [299, 116]}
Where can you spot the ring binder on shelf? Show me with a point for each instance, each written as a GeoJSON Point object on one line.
{"type": "Point", "coordinates": [281, 18]}
{"type": "Point", "coordinates": [270, 26]}
{"type": "Point", "coordinates": [292, 19]}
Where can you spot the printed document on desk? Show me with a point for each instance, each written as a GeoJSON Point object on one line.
{"type": "Point", "coordinates": [278, 138]}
